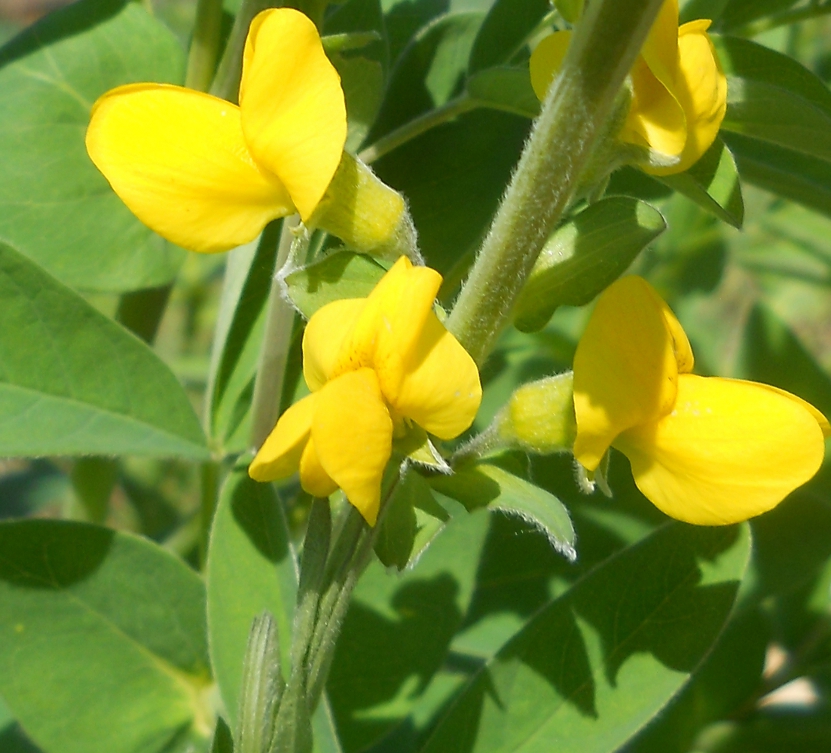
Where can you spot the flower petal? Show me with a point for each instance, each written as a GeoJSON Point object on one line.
{"type": "Point", "coordinates": [701, 88]}
{"type": "Point", "coordinates": [293, 109]}
{"type": "Point", "coordinates": [625, 368]}
{"type": "Point", "coordinates": [660, 50]}
{"type": "Point", "coordinates": [282, 450]}
{"type": "Point", "coordinates": [440, 390]}
{"type": "Point", "coordinates": [352, 433]}
{"type": "Point", "coordinates": [729, 450]}
{"type": "Point", "coordinates": [656, 119]}
{"type": "Point", "coordinates": [546, 60]}
{"type": "Point", "coordinates": [324, 337]}
{"type": "Point", "coordinates": [178, 160]}
{"type": "Point", "coordinates": [312, 476]}
{"type": "Point", "coordinates": [389, 327]}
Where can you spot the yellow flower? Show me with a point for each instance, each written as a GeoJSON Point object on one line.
{"type": "Point", "coordinates": [679, 92]}
{"type": "Point", "coordinates": [705, 450]}
{"type": "Point", "coordinates": [208, 175]}
{"type": "Point", "coordinates": [375, 367]}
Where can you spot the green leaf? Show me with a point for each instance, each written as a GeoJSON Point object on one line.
{"type": "Point", "coordinates": [251, 568]}
{"type": "Point", "coordinates": [238, 338]}
{"type": "Point", "coordinates": [54, 204]}
{"type": "Point", "coordinates": [431, 70]}
{"type": "Point", "coordinates": [730, 675]}
{"type": "Point", "coordinates": [504, 88]}
{"type": "Point", "coordinates": [592, 668]}
{"type": "Point", "coordinates": [73, 381]}
{"type": "Point", "coordinates": [389, 677]}
{"type": "Point", "coordinates": [363, 76]}
{"type": "Point", "coordinates": [739, 12]}
{"type": "Point", "coordinates": [584, 256]}
{"type": "Point", "coordinates": [771, 353]}
{"type": "Point", "coordinates": [102, 640]}
{"type": "Point", "coordinates": [785, 172]}
{"type": "Point", "coordinates": [712, 183]}
{"type": "Point", "coordinates": [339, 275]}
{"type": "Point", "coordinates": [485, 485]}
{"type": "Point", "coordinates": [790, 730]}
{"type": "Point", "coordinates": [223, 741]}
{"type": "Point", "coordinates": [505, 31]}
{"type": "Point", "coordinates": [773, 98]}
{"type": "Point", "coordinates": [411, 522]}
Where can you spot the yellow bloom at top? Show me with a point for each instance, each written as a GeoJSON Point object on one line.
{"type": "Point", "coordinates": [375, 366]}
{"type": "Point", "coordinates": [208, 175]}
{"type": "Point", "coordinates": [679, 92]}
{"type": "Point", "coordinates": [705, 450]}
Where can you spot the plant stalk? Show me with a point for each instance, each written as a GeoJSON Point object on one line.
{"type": "Point", "coordinates": [604, 46]}
{"type": "Point", "coordinates": [268, 385]}
{"type": "Point", "coordinates": [204, 45]}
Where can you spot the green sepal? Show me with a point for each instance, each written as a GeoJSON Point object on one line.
{"type": "Point", "coordinates": [584, 256]}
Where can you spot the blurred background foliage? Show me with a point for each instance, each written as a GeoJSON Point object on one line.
{"type": "Point", "coordinates": [755, 303]}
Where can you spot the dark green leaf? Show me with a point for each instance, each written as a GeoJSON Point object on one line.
{"type": "Point", "coordinates": [389, 676]}
{"type": "Point", "coordinates": [584, 256]}
{"type": "Point", "coordinates": [54, 205]}
{"type": "Point", "coordinates": [339, 275]}
{"type": "Point", "coordinates": [72, 381]}
{"type": "Point", "coordinates": [102, 640]}
{"type": "Point", "coordinates": [505, 31]}
{"type": "Point", "coordinates": [363, 76]}
{"type": "Point", "coordinates": [789, 730]}
{"type": "Point", "coordinates": [431, 70]}
{"type": "Point", "coordinates": [591, 669]}
{"type": "Point", "coordinates": [504, 88]}
{"type": "Point", "coordinates": [713, 183]}
{"type": "Point", "coordinates": [729, 676]}
{"type": "Point", "coordinates": [784, 172]}
{"type": "Point", "coordinates": [771, 353]}
{"type": "Point", "coordinates": [739, 12]}
{"type": "Point", "coordinates": [223, 741]}
{"type": "Point", "coordinates": [486, 485]}
{"type": "Point", "coordinates": [772, 98]}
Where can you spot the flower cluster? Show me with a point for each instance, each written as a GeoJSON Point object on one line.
{"type": "Point", "coordinates": [375, 366]}
{"type": "Point", "coordinates": [705, 450]}
{"type": "Point", "coordinates": [679, 92]}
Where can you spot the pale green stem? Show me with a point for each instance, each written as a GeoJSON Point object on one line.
{"type": "Point", "coordinates": [228, 72]}
{"type": "Point", "coordinates": [204, 45]}
{"type": "Point", "coordinates": [581, 98]}
{"type": "Point", "coordinates": [417, 126]}
{"type": "Point", "coordinates": [268, 385]}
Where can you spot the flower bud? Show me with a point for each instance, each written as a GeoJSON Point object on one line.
{"type": "Point", "coordinates": [366, 213]}
{"type": "Point", "coordinates": [539, 417]}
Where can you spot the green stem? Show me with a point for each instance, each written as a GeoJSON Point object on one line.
{"type": "Point", "coordinates": [228, 72]}
{"type": "Point", "coordinates": [268, 385]}
{"type": "Point", "coordinates": [605, 44]}
{"type": "Point", "coordinates": [204, 46]}
{"type": "Point", "coordinates": [417, 126]}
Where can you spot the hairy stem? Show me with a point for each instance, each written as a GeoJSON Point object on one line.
{"type": "Point", "coordinates": [580, 100]}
